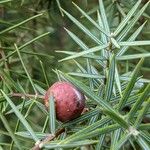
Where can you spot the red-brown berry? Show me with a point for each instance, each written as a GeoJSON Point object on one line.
{"type": "Point", "coordinates": [69, 101]}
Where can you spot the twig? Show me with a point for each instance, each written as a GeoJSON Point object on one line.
{"type": "Point", "coordinates": [27, 95]}
{"type": "Point", "coordinates": [50, 137]}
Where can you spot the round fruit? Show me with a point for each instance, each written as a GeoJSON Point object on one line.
{"type": "Point", "coordinates": [69, 101]}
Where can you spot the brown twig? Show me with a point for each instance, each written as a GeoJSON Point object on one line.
{"type": "Point", "coordinates": [27, 95]}
{"type": "Point", "coordinates": [50, 137]}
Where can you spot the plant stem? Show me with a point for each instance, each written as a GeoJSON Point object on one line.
{"type": "Point", "coordinates": [50, 137]}
{"type": "Point", "coordinates": [27, 95]}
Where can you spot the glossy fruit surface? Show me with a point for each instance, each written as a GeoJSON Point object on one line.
{"type": "Point", "coordinates": [69, 101]}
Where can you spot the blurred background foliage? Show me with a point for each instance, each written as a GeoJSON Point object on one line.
{"type": "Point", "coordinates": [40, 55]}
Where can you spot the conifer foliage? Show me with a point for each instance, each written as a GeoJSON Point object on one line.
{"type": "Point", "coordinates": [101, 47]}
